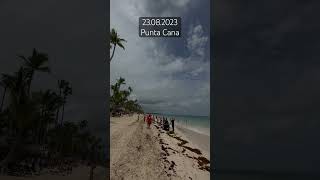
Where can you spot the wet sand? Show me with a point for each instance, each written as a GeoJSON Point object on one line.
{"type": "Point", "coordinates": [202, 141]}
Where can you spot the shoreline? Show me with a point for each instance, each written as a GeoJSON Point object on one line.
{"type": "Point", "coordinates": [138, 152]}
{"type": "Point", "coordinates": [197, 129]}
{"type": "Point", "coordinates": [200, 140]}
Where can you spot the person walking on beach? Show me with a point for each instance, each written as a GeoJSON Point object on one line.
{"type": "Point", "coordinates": [172, 124]}
{"type": "Point", "coordinates": [149, 120]}
{"type": "Point", "coordinates": [166, 124]}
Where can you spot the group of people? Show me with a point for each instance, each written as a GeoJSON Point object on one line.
{"type": "Point", "coordinates": [163, 122]}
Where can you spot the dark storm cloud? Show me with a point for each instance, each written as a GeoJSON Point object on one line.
{"type": "Point", "coordinates": [267, 84]}
{"type": "Point", "coordinates": [73, 35]}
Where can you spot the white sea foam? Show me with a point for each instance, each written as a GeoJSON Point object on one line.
{"type": "Point", "coordinates": [197, 129]}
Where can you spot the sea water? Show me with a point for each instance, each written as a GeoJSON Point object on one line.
{"type": "Point", "coordinates": [195, 128]}
{"type": "Point", "coordinates": [198, 124]}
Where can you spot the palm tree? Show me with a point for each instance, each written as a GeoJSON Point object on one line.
{"type": "Point", "coordinates": [115, 41]}
{"type": "Point", "coordinates": [17, 86]}
{"type": "Point", "coordinates": [61, 85]}
{"type": "Point", "coordinates": [117, 97]}
{"type": "Point", "coordinates": [35, 62]}
{"type": "Point", "coordinates": [70, 131]}
{"type": "Point", "coordinates": [3, 96]}
{"type": "Point", "coordinates": [5, 82]}
{"type": "Point", "coordinates": [49, 102]}
{"type": "Point", "coordinates": [22, 113]}
{"type": "Point", "coordinates": [67, 90]}
{"type": "Point", "coordinates": [23, 116]}
{"type": "Point", "coordinates": [83, 124]}
{"type": "Point", "coordinates": [120, 101]}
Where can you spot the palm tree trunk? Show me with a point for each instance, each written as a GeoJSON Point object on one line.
{"type": "Point", "coordinates": [57, 115]}
{"type": "Point", "coordinates": [3, 96]}
{"type": "Point", "coordinates": [30, 80]}
{"type": "Point", "coordinates": [40, 125]}
{"type": "Point", "coordinates": [45, 133]}
{"type": "Point", "coordinates": [114, 49]}
{"type": "Point", "coordinates": [91, 171]}
{"type": "Point", "coordinates": [11, 129]}
{"type": "Point", "coordinates": [62, 113]}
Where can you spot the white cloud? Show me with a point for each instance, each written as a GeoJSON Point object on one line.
{"type": "Point", "coordinates": [196, 40]}
{"type": "Point", "coordinates": [159, 7]}
{"type": "Point", "coordinates": [160, 79]}
{"type": "Point", "coordinates": [197, 71]}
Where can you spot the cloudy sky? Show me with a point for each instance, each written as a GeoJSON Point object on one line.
{"type": "Point", "coordinates": [267, 84]}
{"type": "Point", "coordinates": [168, 75]}
{"type": "Point", "coordinates": [73, 34]}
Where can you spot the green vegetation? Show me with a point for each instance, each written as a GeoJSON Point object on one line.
{"type": "Point", "coordinates": [120, 102]}
{"type": "Point", "coordinates": [30, 126]}
{"type": "Point", "coordinates": [115, 41]}
{"type": "Point", "coordinates": [119, 99]}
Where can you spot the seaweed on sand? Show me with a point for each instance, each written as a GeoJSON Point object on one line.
{"type": "Point", "coordinates": [183, 142]}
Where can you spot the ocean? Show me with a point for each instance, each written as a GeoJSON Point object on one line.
{"type": "Point", "coordinates": [198, 124]}
{"type": "Point", "coordinates": [195, 128]}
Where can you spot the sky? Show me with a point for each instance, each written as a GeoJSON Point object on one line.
{"type": "Point", "coordinates": [267, 84]}
{"type": "Point", "coordinates": [266, 69]}
{"type": "Point", "coordinates": [73, 34]}
{"type": "Point", "coordinates": [168, 75]}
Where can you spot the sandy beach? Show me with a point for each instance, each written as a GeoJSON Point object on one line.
{"type": "Point", "coordinates": [199, 140]}
{"type": "Point", "coordinates": [138, 152]}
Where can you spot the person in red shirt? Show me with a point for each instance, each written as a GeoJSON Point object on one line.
{"type": "Point", "coordinates": [149, 120]}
